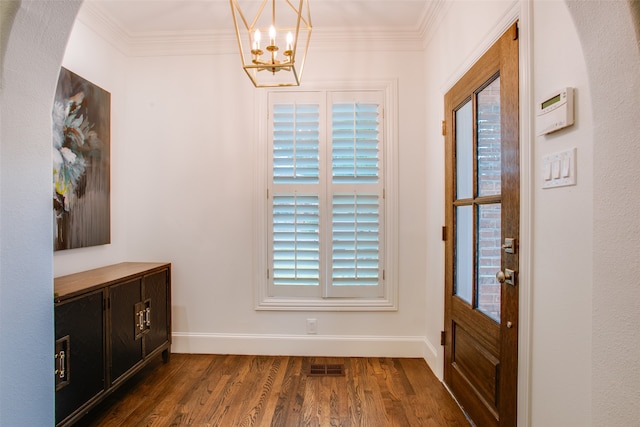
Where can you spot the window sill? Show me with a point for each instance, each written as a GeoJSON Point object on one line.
{"type": "Point", "coordinates": [325, 304]}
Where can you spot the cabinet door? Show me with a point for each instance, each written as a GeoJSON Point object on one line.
{"type": "Point", "coordinates": [156, 292]}
{"type": "Point", "coordinates": [126, 343]}
{"type": "Point", "coordinates": [80, 375]}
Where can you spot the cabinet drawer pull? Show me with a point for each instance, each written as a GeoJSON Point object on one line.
{"type": "Point", "coordinates": [61, 364]}
{"type": "Point", "coordinates": [62, 359]}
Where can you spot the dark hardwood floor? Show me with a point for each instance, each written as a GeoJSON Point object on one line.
{"type": "Point", "coordinates": [231, 390]}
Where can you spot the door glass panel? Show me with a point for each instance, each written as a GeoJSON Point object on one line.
{"type": "Point", "coordinates": [489, 139]}
{"type": "Point", "coordinates": [489, 253]}
{"type": "Point", "coordinates": [464, 152]}
{"type": "Point", "coordinates": [463, 276]}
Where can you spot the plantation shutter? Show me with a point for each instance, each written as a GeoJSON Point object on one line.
{"type": "Point", "coordinates": [296, 239]}
{"type": "Point", "coordinates": [355, 239]}
{"type": "Point", "coordinates": [295, 143]}
{"type": "Point", "coordinates": [295, 202]}
{"type": "Point", "coordinates": [356, 195]}
{"type": "Point", "coordinates": [355, 144]}
{"type": "Point", "coordinates": [326, 192]}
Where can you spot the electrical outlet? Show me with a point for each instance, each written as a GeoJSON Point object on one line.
{"type": "Point", "coordinates": [312, 326]}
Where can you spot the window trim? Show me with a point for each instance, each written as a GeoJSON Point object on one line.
{"type": "Point", "coordinates": [388, 301]}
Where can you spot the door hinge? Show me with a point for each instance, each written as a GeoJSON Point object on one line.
{"type": "Point", "coordinates": [444, 128]}
{"type": "Point", "coordinates": [443, 338]}
{"type": "Point", "coordinates": [267, 194]}
{"type": "Point", "coordinates": [444, 233]}
{"type": "Point", "coordinates": [516, 34]}
{"type": "Point", "coordinates": [268, 274]}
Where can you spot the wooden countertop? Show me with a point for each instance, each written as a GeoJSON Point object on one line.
{"type": "Point", "coordinates": [65, 287]}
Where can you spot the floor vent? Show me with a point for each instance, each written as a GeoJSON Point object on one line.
{"type": "Point", "coordinates": [324, 370]}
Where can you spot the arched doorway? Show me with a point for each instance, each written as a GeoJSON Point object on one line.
{"type": "Point", "coordinates": [34, 37]}
{"type": "Point", "coordinates": [32, 51]}
{"type": "Point", "coordinates": [612, 54]}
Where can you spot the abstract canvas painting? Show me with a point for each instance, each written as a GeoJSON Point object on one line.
{"type": "Point", "coordinates": [81, 163]}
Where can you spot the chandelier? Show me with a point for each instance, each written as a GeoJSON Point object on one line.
{"type": "Point", "coordinates": [269, 43]}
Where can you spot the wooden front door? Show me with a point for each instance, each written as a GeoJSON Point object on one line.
{"type": "Point", "coordinates": [482, 233]}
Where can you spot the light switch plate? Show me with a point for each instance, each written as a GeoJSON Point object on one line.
{"type": "Point", "coordinates": [559, 169]}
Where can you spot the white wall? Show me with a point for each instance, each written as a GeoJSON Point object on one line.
{"type": "Point", "coordinates": [183, 192]}
{"type": "Point", "coordinates": [612, 54]}
{"type": "Point", "coordinates": [92, 58]}
{"type": "Point", "coordinates": [31, 53]}
{"type": "Point", "coordinates": [563, 229]}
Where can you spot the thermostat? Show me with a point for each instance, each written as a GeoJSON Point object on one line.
{"type": "Point", "coordinates": [555, 111]}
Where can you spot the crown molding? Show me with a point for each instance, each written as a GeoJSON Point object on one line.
{"type": "Point", "coordinates": [381, 40]}
{"type": "Point", "coordinates": [93, 16]}
{"type": "Point", "coordinates": [433, 15]}
{"type": "Point", "coordinates": [224, 42]}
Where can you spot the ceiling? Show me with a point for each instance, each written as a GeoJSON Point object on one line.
{"type": "Point", "coordinates": [178, 27]}
{"type": "Point", "coordinates": [145, 17]}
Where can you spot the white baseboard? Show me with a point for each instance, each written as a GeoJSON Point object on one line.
{"type": "Point", "coordinates": [304, 345]}
{"type": "Point", "coordinates": [433, 358]}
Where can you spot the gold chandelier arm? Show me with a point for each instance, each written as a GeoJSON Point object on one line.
{"type": "Point", "coordinates": [298, 12]}
{"type": "Point", "coordinates": [273, 12]}
{"type": "Point", "coordinates": [264, 64]}
{"type": "Point", "coordinates": [235, 7]}
{"type": "Point", "coordinates": [260, 9]}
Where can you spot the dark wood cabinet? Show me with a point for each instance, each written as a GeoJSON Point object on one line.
{"type": "Point", "coordinates": [79, 325]}
{"type": "Point", "coordinates": [158, 327]}
{"type": "Point", "coordinates": [109, 322]}
{"type": "Point", "coordinates": [126, 346]}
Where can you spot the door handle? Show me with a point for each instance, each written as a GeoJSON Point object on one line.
{"type": "Point", "coordinates": [509, 245]}
{"type": "Point", "coordinates": [507, 276]}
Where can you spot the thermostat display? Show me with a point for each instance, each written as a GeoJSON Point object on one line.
{"type": "Point", "coordinates": [555, 111]}
{"type": "Point", "coordinates": [552, 101]}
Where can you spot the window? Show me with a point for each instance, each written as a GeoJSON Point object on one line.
{"type": "Point", "coordinates": [328, 200]}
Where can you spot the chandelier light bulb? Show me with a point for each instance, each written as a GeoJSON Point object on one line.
{"type": "Point", "coordinates": [289, 41]}
{"type": "Point", "coordinates": [272, 35]}
{"type": "Point", "coordinates": [256, 40]}
{"type": "Point", "coordinates": [268, 57]}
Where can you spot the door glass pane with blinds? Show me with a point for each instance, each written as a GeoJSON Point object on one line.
{"type": "Point", "coordinates": [478, 200]}
{"type": "Point", "coordinates": [489, 184]}
{"type": "Point", "coordinates": [463, 283]}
